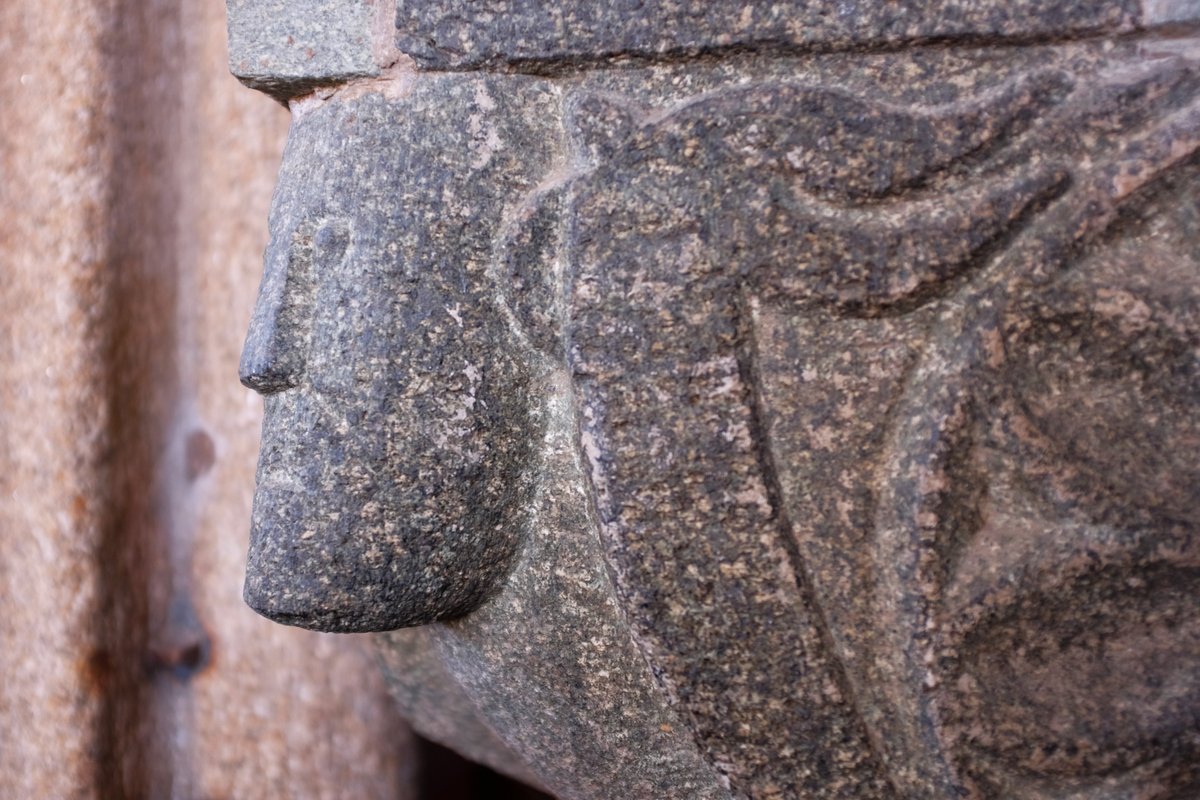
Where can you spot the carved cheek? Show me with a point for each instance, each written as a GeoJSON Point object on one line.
{"type": "Point", "coordinates": [1115, 393]}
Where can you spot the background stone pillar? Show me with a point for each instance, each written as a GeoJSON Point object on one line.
{"type": "Point", "coordinates": [135, 176]}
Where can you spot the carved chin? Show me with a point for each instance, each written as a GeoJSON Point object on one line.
{"type": "Point", "coordinates": [357, 530]}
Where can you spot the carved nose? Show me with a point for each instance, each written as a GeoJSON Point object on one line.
{"type": "Point", "coordinates": [273, 356]}
{"type": "Point", "coordinates": [276, 348]}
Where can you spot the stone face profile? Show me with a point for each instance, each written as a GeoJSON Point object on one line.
{"type": "Point", "coordinates": [714, 400]}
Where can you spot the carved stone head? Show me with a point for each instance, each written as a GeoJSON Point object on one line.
{"type": "Point", "coordinates": [738, 416]}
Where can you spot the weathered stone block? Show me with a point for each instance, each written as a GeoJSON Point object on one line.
{"type": "Point", "coordinates": [286, 49]}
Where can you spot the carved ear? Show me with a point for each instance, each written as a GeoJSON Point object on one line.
{"type": "Point", "coordinates": [601, 125]}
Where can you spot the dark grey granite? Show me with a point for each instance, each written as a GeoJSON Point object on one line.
{"type": "Point", "coordinates": [757, 425]}
{"type": "Point", "coordinates": [417, 442]}
{"type": "Point", "coordinates": [446, 34]}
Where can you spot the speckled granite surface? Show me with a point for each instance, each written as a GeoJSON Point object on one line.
{"type": "Point", "coordinates": [286, 52]}
{"type": "Point", "coordinates": [445, 34]}
{"type": "Point", "coordinates": [762, 423]}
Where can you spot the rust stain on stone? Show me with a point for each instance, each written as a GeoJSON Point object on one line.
{"type": "Point", "coordinates": [96, 671]}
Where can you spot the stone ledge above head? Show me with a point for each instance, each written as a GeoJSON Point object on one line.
{"type": "Point", "coordinates": [541, 36]}
{"type": "Point", "coordinates": [288, 49]}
